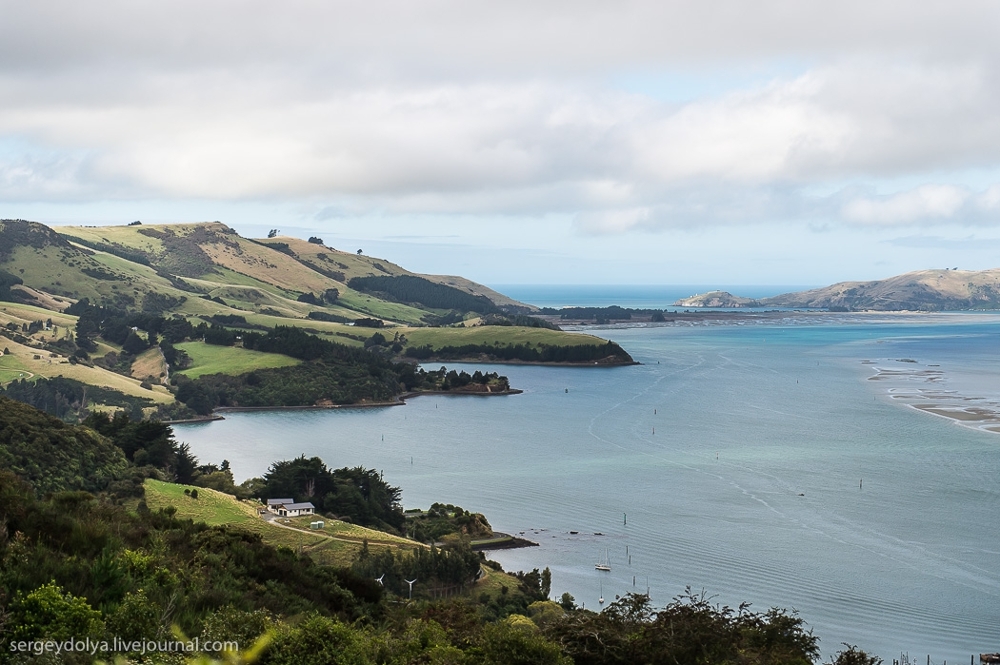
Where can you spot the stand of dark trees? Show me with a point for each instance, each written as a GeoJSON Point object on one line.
{"type": "Point", "coordinates": [412, 289]}
{"type": "Point", "coordinates": [540, 353]}
{"type": "Point", "coordinates": [453, 569]}
{"type": "Point", "coordinates": [66, 398]}
{"type": "Point", "coordinates": [522, 320]}
{"type": "Point", "coordinates": [8, 280]}
{"type": "Point", "coordinates": [356, 495]}
{"type": "Point", "coordinates": [610, 313]}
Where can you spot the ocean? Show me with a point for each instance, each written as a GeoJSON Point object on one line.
{"type": "Point", "coordinates": [781, 462]}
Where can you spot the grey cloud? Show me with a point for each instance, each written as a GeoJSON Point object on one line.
{"type": "Point", "coordinates": [503, 108]}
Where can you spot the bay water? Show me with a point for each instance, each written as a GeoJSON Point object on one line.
{"type": "Point", "coordinates": [774, 461]}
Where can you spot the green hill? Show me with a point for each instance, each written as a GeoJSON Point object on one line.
{"type": "Point", "coordinates": [52, 455]}
{"type": "Point", "coordinates": [144, 314]}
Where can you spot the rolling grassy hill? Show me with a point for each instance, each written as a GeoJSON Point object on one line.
{"type": "Point", "coordinates": [76, 293]}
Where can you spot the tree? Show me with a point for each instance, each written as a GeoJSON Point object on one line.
{"type": "Point", "coordinates": [48, 612]}
{"type": "Point", "coordinates": [316, 241]}
{"type": "Point", "coordinates": [273, 233]}
{"type": "Point", "coordinates": [852, 655]}
{"type": "Point", "coordinates": [359, 252]}
{"type": "Point", "coordinates": [134, 344]}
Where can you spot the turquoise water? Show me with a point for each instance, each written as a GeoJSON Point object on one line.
{"type": "Point", "coordinates": [736, 453]}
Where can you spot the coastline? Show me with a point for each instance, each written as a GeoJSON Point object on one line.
{"type": "Point", "coordinates": [400, 400]}
{"type": "Point", "coordinates": [931, 397]}
{"type": "Point", "coordinates": [537, 363]}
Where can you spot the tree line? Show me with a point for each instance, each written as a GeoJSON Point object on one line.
{"type": "Point", "coordinates": [526, 352]}
{"type": "Point", "coordinates": [413, 289]}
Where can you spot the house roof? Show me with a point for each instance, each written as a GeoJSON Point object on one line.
{"type": "Point", "coordinates": [299, 506]}
{"type": "Point", "coordinates": [278, 502]}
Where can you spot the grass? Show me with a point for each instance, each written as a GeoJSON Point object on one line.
{"type": "Point", "coordinates": [23, 358]}
{"type": "Point", "coordinates": [337, 544]}
{"type": "Point", "coordinates": [439, 337]}
{"type": "Point", "coordinates": [211, 507]}
{"type": "Point", "coordinates": [26, 314]}
{"type": "Point", "coordinates": [213, 359]}
{"type": "Point", "coordinates": [149, 363]}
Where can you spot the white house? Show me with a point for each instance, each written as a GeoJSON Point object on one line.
{"type": "Point", "coordinates": [296, 509]}
{"type": "Point", "coordinates": [274, 504]}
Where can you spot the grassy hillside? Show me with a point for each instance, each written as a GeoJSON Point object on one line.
{"type": "Point", "coordinates": [263, 274]}
{"type": "Point", "coordinates": [122, 308]}
{"type": "Point", "coordinates": [438, 337]}
{"type": "Point", "coordinates": [336, 544]}
{"type": "Point", "coordinates": [213, 359]}
{"type": "Point", "coordinates": [927, 290]}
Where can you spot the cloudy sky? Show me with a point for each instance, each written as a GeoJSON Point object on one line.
{"type": "Point", "coordinates": [731, 142]}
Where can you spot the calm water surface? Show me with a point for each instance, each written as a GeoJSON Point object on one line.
{"type": "Point", "coordinates": [755, 463]}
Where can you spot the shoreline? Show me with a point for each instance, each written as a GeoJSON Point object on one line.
{"type": "Point", "coordinates": [400, 400]}
{"type": "Point", "coordinates": [975, 413]}
{"type": "Point", "coordinates": [536, 363]}
{"type": "Point", "coordinates": [502, 541]}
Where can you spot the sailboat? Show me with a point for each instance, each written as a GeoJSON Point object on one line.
{"type": "Point", "coordinates": [601, 599]}
{"type": "Point", "coordinates": [604, 564]}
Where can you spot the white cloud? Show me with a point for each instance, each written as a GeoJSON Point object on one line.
{"type": "Point", "coordinates": [505, 108]}
{"type": "Point", "coordinates": [924, 203]}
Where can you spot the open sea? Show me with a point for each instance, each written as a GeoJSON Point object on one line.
{"type": "Point", "coordinates": [842, 465]}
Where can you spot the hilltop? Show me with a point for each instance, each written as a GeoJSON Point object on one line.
{"type": "Point", "coordinates": [924, 290]}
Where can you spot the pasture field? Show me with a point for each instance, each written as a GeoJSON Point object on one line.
{"type": "Point", "coordinates": [213, 359]}
{"type": "Point", "coordinates": [503, 335]}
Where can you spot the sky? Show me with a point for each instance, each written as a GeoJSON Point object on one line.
{"type": "Point", "coordinates": [665, 142]}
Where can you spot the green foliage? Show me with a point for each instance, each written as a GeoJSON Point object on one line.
{"type": "Point", "coordinates": [601, 314]}
{"type": "Point", "coordinates": [317, 640]}
{"type": "Point", "coordinates": [522, 320]}
{"type": "Point", "coordinates": [514, 642]}
{"type": "Point", "coordinates": [852, 655]}
{"type": "Point", "coordinates": [49, 612]}
{"type": "Point", "coordinates": [326, 316]}
{"type": "Point", "coordinates": [443, 520]}
{"type": "Point", "coordinates": [356, 495]}
{"type": "Point", "coordinates": [8, 280]}
{"type": "Point", "coordinates": [688, 630]}
{"type": "Point", "coordinates": [67, 399]}
{"type": "Point", "coordinates": [148, 442]}
{"type": "Point", "coordinates": [413, 289]}
{"type": "Point", "coordinates": [337, 374]}
{"type": "Point", "coordinates": [54, 456]}
{"type": "Point", "coordinates": [16, 233]}
{"type": "Point", "coordinates": [99, 552]}
{"type": "Point", "coordinates": [437, 571]}
{"type": "Point", "coordinates": [137, 617]}
{"type": "Point", "coordinates": [602, 353]}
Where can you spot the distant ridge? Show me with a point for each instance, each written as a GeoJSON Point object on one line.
{"type": "Point", "coordinates": [923, 290]}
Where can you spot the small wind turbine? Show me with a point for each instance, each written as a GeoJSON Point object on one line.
{"type": "Point", "coordinates": [410, 582]}
{"type": "Point", "coordinates": [379, 579]}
